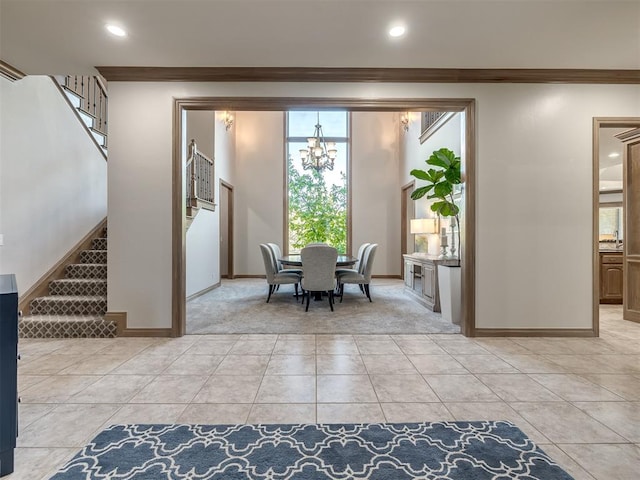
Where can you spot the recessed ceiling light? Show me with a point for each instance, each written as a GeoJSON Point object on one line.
{"type": "Point", "coordinates": [397, 31]}
{"type": "Point", "coordinates": [115, 30]}
{"type": "Point", "coordinates": [614, 155]}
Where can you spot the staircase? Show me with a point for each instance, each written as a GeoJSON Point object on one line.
{"type": "Point", "coordinates": [76, 305]}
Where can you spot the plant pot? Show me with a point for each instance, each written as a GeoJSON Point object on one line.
{"type": "Point", "coordinates": [450, 289]}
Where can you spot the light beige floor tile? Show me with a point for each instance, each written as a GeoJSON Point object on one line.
{"type": "Point", "coordinates": [188, 364]}
{"type": "Point", "coordinates": [287, 389]}
{"type": "Point", "coordinates": [254, 347]}
{"type": "Point", "coordinates": [34, 463]}
{"type": "Point", "coordinates": [26, 381]}
{"type": "Point", "coordinates": [336, 345]}
{"type": "Point", "coordinates": [66, 426]}
{"type": "Point", "coordinates": [378, 347]}
{"type": "Point", "coordinates": [417, 345]}
{"type": "Point", "coordinates": [533, 364]}
{"type": "Point", "coordinates": [129, 347]}
{"type": "Point", "coordinates": [402, 388]}
{"type": "Point", "coordinates": [170, 389]}
{"type": "Point", "coordinates": [229, 389]}
{"type": "Point", "coordinates": [437, 365]}
{"type": "Point", "coordinates": [350, 413]}
{"type": "Point", "coordinates": [345, 389]}
{"type": "Point", "coordinates": [627, 386]}
{"type": "Point", "coordinates": [574, 388]}
{"type": "Point", "coordinates": [270, 337]}
{"type": "Point", "coordinates": [485, 364]}
{"type": "Point", "coordinates": [283, 413]}
{"type": "Point", "coordinates": [340, 365]}
{"type": "Point", "coordinates": [243, 365]}
{"type": "Point", "coordinates": [215, 413]}
{"type": "Point", "coordinates": [172, 347]}
{"type": "Point", "coordinates": [621, 417]}
{"type": "Point", "coordinates": [88, 346]}
{"type": "Point", "coordinates": [460, 388]}
{"type": "Point", "coordinates": [588, 346]}
{"type": "Point", "coordinates": [415, 412]}
{"type": "Point", "coordinates": [517, 388]}
{"type": "Point", "coordinates": [564, 423]}
{"type": "Point", "coordinates": [113, 389]}
{"type": "Point", "coordinates": [607, 462]}
{"type": "Point", "coordinates": [291, 365]}
{"type": "Point", "coordinates": [144, 364]}
{"type": "Point", "coordinates": [98, 364]}
{"type": "Point", "coordinates": [211, 347]}
{"type": "Point", "coordinates": [566, 462]}
{"type": "Point", "coordinates": [50, 364]}
{"type": "Point", "coordinates": [30, 412]}
{"type": "Point", "coordinates": [293, 346]}
{"type": "Point", "coordinates": [473, 411]}
{"type": "Point", "coordinates": [462, 347]}
{"type": "Point", "coordinates": [543, 346]}
{"type": "Point", "coordinates": [584, 363]}
{"type": "Point", "coordinates": [372, 337]}
{"type": "Point", "coordinates": [388, 365]}
{"type": "Point", "coordinates": [502, 346]}
{"type": "Point", "coordinates": [620, 363]}
{"type": "Point", "coordinates": [146, 413]}
{"type": "Point", "coordinates": [57, 389]}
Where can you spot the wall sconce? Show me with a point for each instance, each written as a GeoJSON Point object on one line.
{"type": "Point", "coordinates": [228, 120]}
{"type": "Point", "coordinates": [423, 226]}
{"type": "Point", "coordinates": [404, 121]}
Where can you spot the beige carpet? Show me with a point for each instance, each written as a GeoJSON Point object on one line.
{"type": "Point", "coordinates": [239, 306]}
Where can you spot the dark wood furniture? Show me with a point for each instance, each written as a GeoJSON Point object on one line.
{"type": "Point", "coordinates": [296, 261]}
{"type": "Point", "coordinates": [611, 277]}
{"type": "Point", "coordinates": [421, 278]}
{"type": "Point", "coordinates": [8, 371]}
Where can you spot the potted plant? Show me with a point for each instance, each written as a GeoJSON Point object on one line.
{"type": "Point", "coordinates": [440, 187]}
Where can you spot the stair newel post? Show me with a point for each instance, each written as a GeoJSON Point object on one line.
{"type": "Point", "coordinates": [193, 173]}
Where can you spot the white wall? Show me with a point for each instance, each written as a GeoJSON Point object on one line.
{"type": "Point", "coordinates": [375, 184]}
{"type": "Point", "coordinates": [533, 209]}
{"type": "Point", "coordinates": [225, 154]}
{"type": "Point", "coordinates": [53, 179]}
{"type": "Point", "coordinates": [258, 202]}
{"type": "Point", "coordinates": [203, 237]}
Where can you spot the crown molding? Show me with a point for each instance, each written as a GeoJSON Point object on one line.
{"type": "Point", "coordinates": [10, 72]}
{"type": "Point", "coordinates": [376, 75]}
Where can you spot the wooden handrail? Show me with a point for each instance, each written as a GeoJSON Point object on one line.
{"type": "Point", "coordinates": [200, 177]}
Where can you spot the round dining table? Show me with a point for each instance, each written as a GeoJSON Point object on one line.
{"type": "Point", "coordinates": [296, 261]}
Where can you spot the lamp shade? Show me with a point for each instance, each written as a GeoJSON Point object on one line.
{"type": "Point", "coordinates": [423, 225]}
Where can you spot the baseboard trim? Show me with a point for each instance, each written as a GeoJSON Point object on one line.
{"type": "Point", "coordinates": [120, 318]}
{"type": "Point", "coordinates": [534, 332]}
{"type": "Point", "coordinates": [147, 332]}
{"type": "Point", "coordinates": [249, 276]}
{"type": "Point", "coordinates": [202, 292]}
{"type": "Point", "coordinates": [41, 287]}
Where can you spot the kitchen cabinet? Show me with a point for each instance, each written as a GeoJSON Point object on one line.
{"type": "Point", "coordinates": [611, 277]}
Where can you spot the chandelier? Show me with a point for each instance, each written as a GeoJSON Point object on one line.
{"type": "Point", "coordinates": [319, 153]}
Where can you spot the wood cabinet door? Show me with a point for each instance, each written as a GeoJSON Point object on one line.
{"type": "Point", "coordinates": [408, 273]}
{"type": "Point", "coordinates": [429, 282]}
{"type": "Point", "coordinates": [611, 283]}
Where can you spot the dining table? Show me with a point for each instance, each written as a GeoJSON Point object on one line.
{"type": "Point", "coordinates": [296, 261]}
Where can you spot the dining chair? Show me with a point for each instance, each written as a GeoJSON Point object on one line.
{"type": "Point", "coordinates": [357, 267]}
{"type": "Point", "coordinates": [363, 279]}
{"type": "Point", "coordinates": [275, 278]}
{"type": "Point", "coordinates": [318, 272]}
{"type": "Point", "coordinates": [277, 255]}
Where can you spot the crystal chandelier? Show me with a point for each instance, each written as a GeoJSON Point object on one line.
{"type": "Point", "coordinates": [319, 153]}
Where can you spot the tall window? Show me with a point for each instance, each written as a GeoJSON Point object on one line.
{"type": "Point", "coordinates": [317, 199]}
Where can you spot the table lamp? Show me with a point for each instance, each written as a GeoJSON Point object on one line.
{"type": "Point", "coordinates": [422, 226]}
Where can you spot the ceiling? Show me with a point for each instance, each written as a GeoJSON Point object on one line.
{"type": "Point", "coordinates": [68, 36]}
{"type": "Point", "coordinates": [610, 166]}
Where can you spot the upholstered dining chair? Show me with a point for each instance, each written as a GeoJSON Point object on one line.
{"type": "Point", "coordinates": [277, 255]}
{"type": "Point", "coordinates": [357, 268]}
{"type": "Point", "coordinates": [275, 278]}
{"type": "Point", "coordinates": [318, 272]}
{"type": "Point", "coordinates": [364, 278]}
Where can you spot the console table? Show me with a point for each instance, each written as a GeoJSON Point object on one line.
{"type": "Point", "coordinates": [421, 278]}
{"type": "Point", "coordinates": [8, 371]}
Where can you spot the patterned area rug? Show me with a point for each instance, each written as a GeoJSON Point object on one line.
{"type": "Point", "coordinates": [392, 451]}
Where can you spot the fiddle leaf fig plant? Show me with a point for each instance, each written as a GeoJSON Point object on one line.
{"type": "Point", "coordinates": [440, 185]}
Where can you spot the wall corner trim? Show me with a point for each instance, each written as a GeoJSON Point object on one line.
{"type": "Point", "coordinates": [10, 72]}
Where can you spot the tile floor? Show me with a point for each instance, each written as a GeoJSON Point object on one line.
{"type": "Point", "coordinates": [579, 399]}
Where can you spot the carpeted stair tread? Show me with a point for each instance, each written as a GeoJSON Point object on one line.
{"type": "Point", "coordinates": [66, 326]}
{"type": "Point", "coordinates": [99, 244]}
{"type": "Point", "coordinates": [86, 270]}
{"type": "Point", "coordinates": [93, 256]}
{"type": "Point", "coordinates": [69, 305]}
{"type": "Point", "coordinates": [78, 287]}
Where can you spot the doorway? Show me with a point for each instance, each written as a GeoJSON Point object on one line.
{"type": "Point", "coordinates": [407, 212]}
{"type": "Point", "coordinates": [467, 240]}
{"type": "Point", "coordinates": [226, 230]}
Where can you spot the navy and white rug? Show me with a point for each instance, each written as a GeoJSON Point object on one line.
{"type": "Point", "coordinates": [388, 451]}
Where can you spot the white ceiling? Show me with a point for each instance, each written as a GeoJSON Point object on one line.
{"type": "Point", "coordinates": [68, 36]}
{"type": "Point", "coordinates": [610, 167]}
